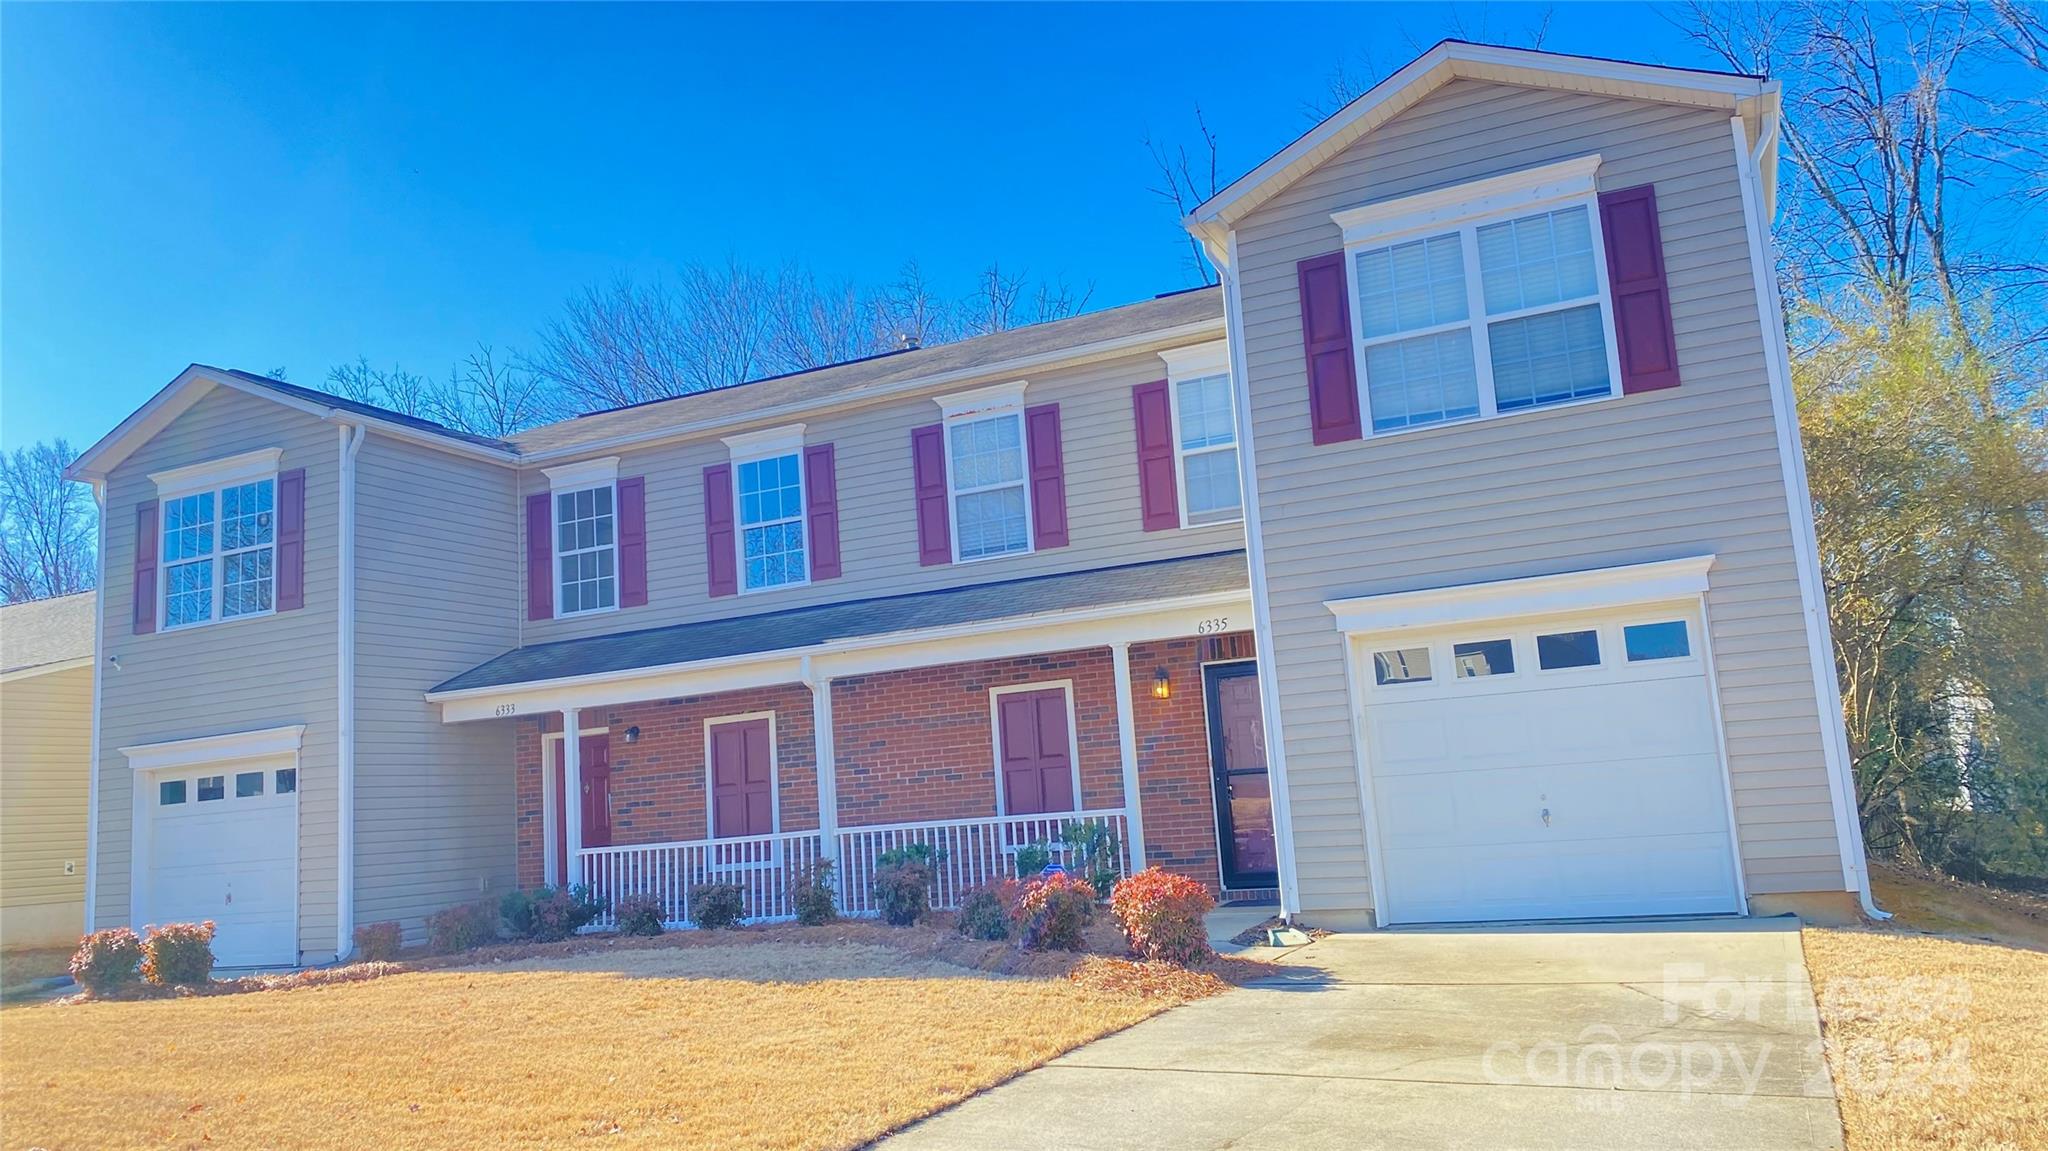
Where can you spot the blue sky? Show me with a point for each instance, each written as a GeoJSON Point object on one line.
{"type": "Point", "coordinates": [267, 185]}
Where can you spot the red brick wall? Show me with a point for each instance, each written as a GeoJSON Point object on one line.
{"type": "Point", "coordinates": [920, 744]}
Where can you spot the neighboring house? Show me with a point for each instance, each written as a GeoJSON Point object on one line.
{"type": "Point", "coordinates": [1518, 626]}
{"type": "Point", "coordinates": [46, 679]}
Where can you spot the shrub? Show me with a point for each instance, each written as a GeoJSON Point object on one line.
{"type": "Point", "coordinates": [106, 960]}
{"type": "Point", "coordinates": [178, 953]}
{"type": "Point", "coordinates": [547, 914]}
{"type": "Point", "coordinates": [1055, 911]}
{"type": "Point", "coordinates": [903, 882]}
{"type": "Point", "coordinates": [716, 905]}
{"type": "Point", "coordinates": [1161, 914]}
{"type": "Point", "coordinates": [379, 941]}
{"type": "Point", "coordinates": [460, 928]}
{"type": "Point", "coordinates": [639, 915]}
{"type": "Point", "coordinates": [1032, 858]}
{"type": "Point", "coordinates": [1092, 854]}
{"type": "Point", "coordinates": [813, 895]}
{"type": "Point", "coordinates": [990, 912]}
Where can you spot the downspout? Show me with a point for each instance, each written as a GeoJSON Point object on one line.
{"type": "Point", "coordinates": [352, 436]}
{"type": "Point", "coordinates": [99, 674]}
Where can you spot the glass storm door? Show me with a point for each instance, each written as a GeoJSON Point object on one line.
{"type": "Point", "coordinates": [1237, 753]}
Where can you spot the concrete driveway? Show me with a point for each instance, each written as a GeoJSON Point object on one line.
{"type": "Point", "coordinates": [1666, 1035]}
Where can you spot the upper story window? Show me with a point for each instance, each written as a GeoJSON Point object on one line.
{"type": "Point", "coordinates": [985, 473]}
{"type": "Point", "coordinates": [1204, 433]}
{"type": "Point", "coordinates": [584, 497]}
{"type": "Point", "coordinates": [219, 539]}
{"type": "Point", "coordinates": [1474, 302]}
{"type": "Point", "coordinates": [771, 520]}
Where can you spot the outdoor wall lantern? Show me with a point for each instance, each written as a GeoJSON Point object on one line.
{"type": "Point", "coordinates": [633, 734]}
{"type": "Point", "coordinates": [1162, 685]}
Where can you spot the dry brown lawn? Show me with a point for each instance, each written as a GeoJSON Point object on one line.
{"type": "Point", "coordinates": [1937, 1041]}
{"type": "Point", "coordinates": [773, 1041]}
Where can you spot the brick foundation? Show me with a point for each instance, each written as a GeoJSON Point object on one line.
{"type": "Point", "coordinates": [912, 745]}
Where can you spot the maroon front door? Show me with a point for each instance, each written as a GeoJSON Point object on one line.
{"type": "Point", "coordinates": [1237, 752]}
{"type": "Point", "coordinates": [742, 779]}
{"type": "Point", "coordinates": [1036, 756]}
{"type": "Point", "coordinates": [597, 796]}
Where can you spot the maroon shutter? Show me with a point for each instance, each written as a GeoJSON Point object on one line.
{"type": "Point", "coordinates": [1048, 476]}
{"type": "Point", "coordinates": [1326, 341]}
{"type": "Point", "coordinates": [291, 540]}
{"type": "Point", "coordinates": [1635, 280]}
{"type": "Point", "coordinates": [928, 467]}
{"type": "Point", "coordinates": [540, 557]}
{"type": "Point", "coordinates": [821, 493]}
{"type": "Point", "coordinates": [742, 780]}
{"type": "Point", "coordinates": [145, 567]}
{"type": "Point", "coordinates": [633, 542]}
{"type": "Point", "coordinates": [1038, 768]}
{"type": "Point", "coordinates": [721, 550]}
{"type": "Point", "coordinates": [1158, 495]}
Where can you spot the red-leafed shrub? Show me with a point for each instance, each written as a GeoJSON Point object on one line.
{"type": "Point", "coordinates": [460, 928]}
{"type": "Point", "coordinates": [639, 915]}
{"type": "Point", "coordinates": [379, 942]}
{"type": "Point", "coordinates": [991, 912]}
{"type": "Point", "coordinates": [106, 960]}
{"type": "Point", "coordinates": [1161, 914]}
{"type": "Point", "coordinates": [1055, 911]}
{"type": "Point", "coordinates": [178, 953]}
{"type": "Point", "coordinates": [716, 905]}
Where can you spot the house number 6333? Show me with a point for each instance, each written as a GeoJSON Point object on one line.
{"type": "Point", "coordinates": [505, 709]}
{"type": "Point", "coordinates": [1213, 625]}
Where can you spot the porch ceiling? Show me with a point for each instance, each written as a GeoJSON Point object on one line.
{"type": "Point", "coordinates": [797, 629]}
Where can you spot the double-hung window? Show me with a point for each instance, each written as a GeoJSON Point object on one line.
{"type": "Point", "coordinates": [1470, 303]}
{"type": "Point", "coordinates": [1204, 433]}
{"type": "Point", "coordinates": [219, 545]}
{"type": "Point", "coordinates": [586, 549]}
{"type": "Point", "coordinates": [771, 521]}
{"type": "Point", "coordinates": [985, 475]}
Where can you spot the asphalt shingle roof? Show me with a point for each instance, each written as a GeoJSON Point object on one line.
{"type": "Point", "coordinates": [46, 631]}
{"type": "Point", "coordinates": [806, 627]}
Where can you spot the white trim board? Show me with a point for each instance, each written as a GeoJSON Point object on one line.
{"type": "Point", "coordinates": [1590, 590]}
{"type": "Point", "coordinates": [1507, 194]}
{"type": "Point", "coordinates": [226, 472]}
{"type": "Point", "coordinates": [582, 474]}
{"type": "Point", "coordinates": [259, 744]}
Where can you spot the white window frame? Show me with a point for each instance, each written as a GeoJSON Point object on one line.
{"type": "Point", "coordinates": [995, 731]}
{"type": "Point", "coordinates": [571, 479]}
{"type": "Point", "coordinates": [213, 478]}
{"type": "Point", "coordinates": [1184, 365]}
{"type": "Point", "coordinates": [754, 447]}
{"type": "Point", "coordinates": [1462, 210]}
{"type": "Point", "coordinates": [962, 408]}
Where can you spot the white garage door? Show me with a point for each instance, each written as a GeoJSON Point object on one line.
{"type": "Point", "coordinates": [223, 845]}
{"type": "Point", "coordinates": [1556, 770]}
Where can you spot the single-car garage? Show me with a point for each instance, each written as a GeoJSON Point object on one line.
{"type": "Point", "coordinates": [1553, 765]}
{"type": "Point", "coordinates": [216, 838]}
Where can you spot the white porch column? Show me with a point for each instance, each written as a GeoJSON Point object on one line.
{"type": "Point", "coordinates": [828, 770]}
{"type": "Point", "coordinates": [572, 795]}
{"type": "Point", "coordinates": [1127, 751]}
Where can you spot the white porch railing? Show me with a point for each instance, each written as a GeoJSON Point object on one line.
{"type": "Point", "coordinates": [971, 852]}
{"type": "Point", "coordinates": [768, 868]}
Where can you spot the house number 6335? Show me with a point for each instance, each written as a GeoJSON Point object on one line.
{"type": "Point", "coordinates": [1213, 625]}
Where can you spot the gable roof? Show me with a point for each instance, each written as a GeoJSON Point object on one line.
{"type": "Point", "coordinates": [1740, 94]}
{"type": "Point", "coordinates": [357, 407]}
{"type": "Point", "coordinates": [47, 634]}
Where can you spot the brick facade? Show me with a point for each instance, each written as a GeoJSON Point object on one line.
{"type": "Point", "coordinates": [916, 744]}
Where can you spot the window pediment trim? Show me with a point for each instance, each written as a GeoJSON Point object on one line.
{"type": "Point", "coordinates": [265, 743]}
{"type": "Point", "coordinates": [995, 398]}
{"type": "Point", "coordinates": [1446, 207]}
{"type": "Point", "coordinates": [777, 441]}
{"type": "Point", "coordinates": [582, 474]}
{"type": "Point", "coordinates": [1197, 360]}
{"type": "Point", "coordinates": [225, 472]}
{"type": "Point", "coordinates": [1563, 592]}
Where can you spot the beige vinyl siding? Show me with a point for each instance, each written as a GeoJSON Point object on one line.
{"type": "Point", "coordinates": [45, 750]}
{"type": "Point", "coordinates": [877, 524]}
{"type": "Point", "coordinates": [238, 675]}
{"type": "Point", "coordinates": [1654, 476]}
{"type": "Point", "coordinates": [437, 591]}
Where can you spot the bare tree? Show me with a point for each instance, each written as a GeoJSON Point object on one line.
{"type": "Point", "coordinates": [395, 389]}
{"type": "Point", "coordinates": [811, 324]}
{"type": "Point", "coordinates": [489, 395]}
{"type": "Point", "coordinates": [1004, 300]}
{"type": "Point", "coordinates": [47, 525]}
{"type": "Point", "coordinates": [1185, 181]}
{"type": "Point", "coordinates": [616, 345]}
{"type": "Point", "coordinates": [910, 313]}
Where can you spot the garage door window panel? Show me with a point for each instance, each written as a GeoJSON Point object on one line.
{"type": "Point", "coordinates": [287, 780]}
{"type": "Point", "coordinates": [1484, 658]}
{"type": "Point", "coordinates": [1665, 639]}
{"type": "Point", "coordinates": [212, 787]}
{"type": "Point", "coordinates": [170, 792]}
{"type": "Point", "coordinates": [1558, 651]}
{"type": "Point", "coordinates": [1401, 665]}
{"type": "Point", "coordinates": [248, 784]}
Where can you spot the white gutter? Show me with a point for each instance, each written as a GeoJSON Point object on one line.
{"type": "Point", "coordinates": [351, 442]}
{"type": "Point", "coordinates": [1805, 541]}
{"type": "Point", "coordinates": [1262, 610]}
{"type": "Point", "coordinates": [99, 674]}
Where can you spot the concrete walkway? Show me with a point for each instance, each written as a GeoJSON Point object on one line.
{"type": "Point", "coordinates": [1661, 1035]}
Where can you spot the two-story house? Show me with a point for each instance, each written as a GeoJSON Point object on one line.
{"type": "Point", "coordinates": [1452, 562]}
